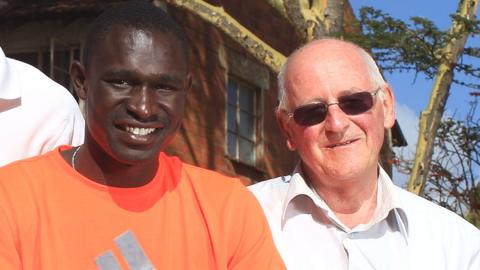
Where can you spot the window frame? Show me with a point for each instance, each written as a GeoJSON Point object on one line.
{"type": "Point", "coordinates": [256, 119]}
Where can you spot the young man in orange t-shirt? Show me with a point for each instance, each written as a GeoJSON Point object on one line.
{"type": "Point", "coordinates": [118, 202]}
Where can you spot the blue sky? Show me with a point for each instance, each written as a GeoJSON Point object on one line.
{"type": "Point", "coordinates": [412, 94]}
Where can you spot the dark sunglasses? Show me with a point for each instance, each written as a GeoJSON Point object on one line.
{"type": "Point", "coordinates": [314, 113]}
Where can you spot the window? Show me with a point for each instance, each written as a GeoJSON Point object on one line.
{"type": "Point", "coordinates": [54, 62]}
{"type": "Point", "coordinates": [241, 121]}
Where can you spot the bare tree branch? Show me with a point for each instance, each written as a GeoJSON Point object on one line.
{"type": "Point", "coordinates": [333, 16]}
{"type": "Point", "coordinates": [278, 5]}
{"type": "Point", "coordinates": [431, 117]}
{"type": "Point", "coordinates": [306, 18]}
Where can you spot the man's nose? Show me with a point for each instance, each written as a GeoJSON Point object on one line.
{"type": "Point", "coordinates": [336, 121]}
{"type": "Point", "coordinates": [142, 102]}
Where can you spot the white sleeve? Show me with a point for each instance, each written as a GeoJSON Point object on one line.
{"type": "Point", "coordinates": [70, 130]}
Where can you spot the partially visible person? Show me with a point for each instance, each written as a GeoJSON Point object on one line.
{"type": "Point", "coordinates": [117, 201]}
{"type": "Point", "coordinates": [36, 113]}
{"type": "Point", "coordinates": [339, 209]}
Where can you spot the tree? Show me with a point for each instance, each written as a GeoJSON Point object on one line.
{"type": "Point", "coordinates": [454, 178]}
{"type": "Point", "coordinates": [431, 117]}
{"type": "Point", "coordinates": [423, 48]}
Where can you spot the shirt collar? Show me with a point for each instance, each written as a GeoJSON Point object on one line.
{"type": "Point", "coordinates": [9, 83]}
{"type": "Point", "coordinates": [387, 201]}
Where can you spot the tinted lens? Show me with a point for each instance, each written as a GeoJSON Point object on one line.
{"type": "Point", "coordinates": [315, 113]}
{"type": "Point", "coordinates": [310, 114]}
{"type": "Point", "coordinates": [356, 103]}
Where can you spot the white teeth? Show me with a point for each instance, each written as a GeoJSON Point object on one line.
{"type": "Point", "coordinates": [139, 131]}
{"type": "Point", "coordinates": [340, 144]}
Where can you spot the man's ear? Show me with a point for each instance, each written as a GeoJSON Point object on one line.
{"type": "Point", "coordinates": [77, 75]}
{"type": "Point", "coordinates": [388, 107]}
{"type": "Point", "coordinates": [282, 121]}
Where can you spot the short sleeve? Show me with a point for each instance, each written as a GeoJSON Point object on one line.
{"type": "Point", "coordinates": [71, 128]}
{"type": "Point", "coordinates": [9, 257]}
{"type": "Point", "coordinates": [255, 248]}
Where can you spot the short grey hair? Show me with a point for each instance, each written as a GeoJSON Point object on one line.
{"type": "Point", "coordinates": [372, 69]}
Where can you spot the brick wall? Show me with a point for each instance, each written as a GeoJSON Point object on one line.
{"type": "Point", "coordinates": [201, 140]}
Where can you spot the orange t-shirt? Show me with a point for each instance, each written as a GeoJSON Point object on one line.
{"type": "Point", "coordinates": [51, 217]}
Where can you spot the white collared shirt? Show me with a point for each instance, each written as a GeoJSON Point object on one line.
{"type": "Point", "coordinates": [36, 113]}
{"type": "Point", "coordinates": [406, 232]}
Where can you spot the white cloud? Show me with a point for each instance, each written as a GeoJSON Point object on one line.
{"type": "Point", "coordinates": [408, 121]}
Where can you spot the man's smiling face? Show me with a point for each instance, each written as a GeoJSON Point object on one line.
{"type": "Point", "coordinates": [342, 146]}
{"type": "Point", "coordinates": [135, 87]}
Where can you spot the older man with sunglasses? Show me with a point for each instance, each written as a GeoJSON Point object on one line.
{"type": "Point", "coordinates": [339, 209]}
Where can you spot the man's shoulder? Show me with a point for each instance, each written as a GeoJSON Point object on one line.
{"type": "Point", "coordinates": [416, 204]}
{"type": "Point", "coordinates": [25, 179]}
{"type": "Point", "coordinates": [218, 192]}
{"type": "Point", "coordinates": [204, 173]}
{"type": "Point", "coordinates": [237, 212]}
{"type": "Point", "coordinates": [29, 164]}
{"type": "Point", "coordinates": [267, 186]}
{"type": "Point", "coordinates": [422, 211]}
{"type": "Point", "coordinates": [271, 193]}
{"type": "Point", "coordinates": [37, 85]}
{"type": "Point", "coordinates": [30, 75]}
{"type": "Point", "coordinates": [211, 182]}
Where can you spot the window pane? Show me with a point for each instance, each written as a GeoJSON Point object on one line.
{"type": "Point", "coordinates": [232, 144]}
{"type": "Point", "coordinates": [46, 62]}
{"type": "Point", "coordinates": [232, 118]}
{"type": "Point", "coordinates": [246, 99]}
{"type": "Point", "coordinates": [241, 121]}
{"type": "Point", "coordinates": [61, 66]}
{"type": "Point", "coordinates": [246, 151]}
{"type": "Point", "coordinates": [232, 92]}
{"type": "Point", "coordinates": [246, 125]}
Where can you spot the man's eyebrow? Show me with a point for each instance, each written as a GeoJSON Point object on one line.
{"type": "Point", "coordinates": [125, 73]}
{"type": "Point", "coordinates": [353, 90]}
{"type": "Point", "coordinates": [119, 73]}
{"type": "Point", "coordinates": [168, 78]}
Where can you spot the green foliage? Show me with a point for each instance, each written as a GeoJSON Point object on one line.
{"type": "Point", "coordinates": [413, 46]}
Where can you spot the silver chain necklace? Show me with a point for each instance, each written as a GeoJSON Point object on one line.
{"type": "Point", "coordinates": [73, 157]}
